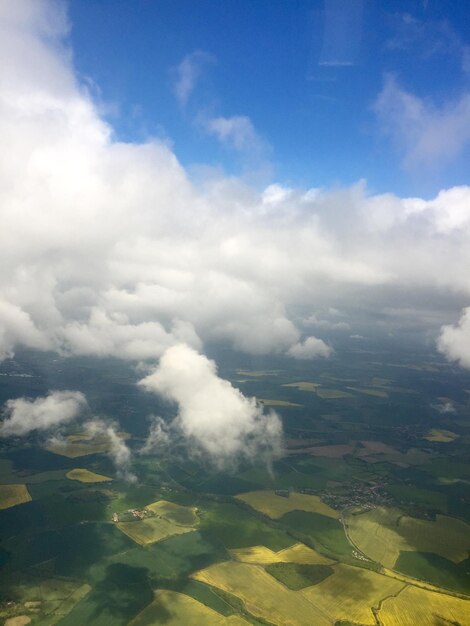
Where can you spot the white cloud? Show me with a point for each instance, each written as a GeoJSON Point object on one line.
{"type": "Point", "coordinates": [454, 341]}
{"type": "Point", "coordinates": [426, 134]}
{"type": "Point", "coordinates": [315, 321]}
{"type": "Point", "coordinates": [310, 348]}
{"type": "Point", "coordinates": [238, 133]}
{"type": "Point", "coordinates": [119, 452]}
{"type": "Point", "coordinates": [158, 438]}
{"type": "Point", "coordinates": [108, 248]}
{"type": "Point", "coordinates": [444, 407]}
{"type": "Point", "coordinates": [188, 73]}
{"type": "Point", "coordinates": [216, 419]}
{"type": "Point", "coordinates": [25, 415]}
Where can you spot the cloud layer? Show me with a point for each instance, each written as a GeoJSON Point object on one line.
{"type": "Point", "coordinates": [98, 246]}
{"type": "Point", "coordinates": [24, 415]}
{"type": "Point", "coordinates": [214, 417]}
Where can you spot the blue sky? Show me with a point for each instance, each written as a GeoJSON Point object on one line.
{"type": "Point", "coordinates": [306, 76]}
{"type": "Point", "coordinates": [185, 172]}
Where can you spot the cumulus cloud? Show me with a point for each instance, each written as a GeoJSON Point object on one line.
{"type": "Point", "coordinates": [215, 418]}
{"type": "Point", "coordinates": [236, 132]}
{"type": "Point", "coordinates": [328, 324]}
{"type": "Point", "coordinates": [444, 407]}
{"type": "Point", "coordinates": [159, 437]}
{"type": "Point", "coordinates": [454, 340]}
{"type": "Point", "coordinates": [310, 348]}
{"type": "Point", "coordinates": [119, 452]}
{"type": "Point", "coordinates": [25, 415]}
{"type": "Point", "coordinates": [188, 73]}
{"type": "Point", "coordinates": [98, 253]}
{"type": "Point", "coordinates": [427, 134]}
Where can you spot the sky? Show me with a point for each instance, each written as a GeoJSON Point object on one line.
{"type": "Point", "coordinates": [270, 177]}
{"type": "Point", "coordinates": [333, 91]}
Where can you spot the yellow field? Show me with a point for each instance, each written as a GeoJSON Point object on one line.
{"type": "Point", "coordinates": [170, 519]}
{"type": "Point", "coordinates": [262, 594]}
{"type": "Point", "coordinates": [441, 436]}
{"type": "Point", "coordinates": [258, 373]}
{"type": "Point", "coordinates": [382, 533]}
{"type": "Point", "coordinates": [348, 594]}
{"type": "Point", "coordinates": [370, 391]}
{"type": "Point", "coordinates": [83, 444]}
{"type": "Point", "coordinates": [11, 495]}
{"type": "Point", "coordinates": [415, 606]}
{"type": "Point", "coordinates": [151, 530]}
{"type": "Point", "coordinates": [304, 386]}
{"type": "Point", "coordinates": [298, 553]}
{"type": "Point", "coordinates": [174, 609]}
{"type": "Point", "coordinates": [19, 620]}
{"type": "Point", "coordinates": [267, 402]}
{"type": "Point", "coordinates": [276, 506]}
{"type": "Point", "coordinates": [85, 476]}
{"type": "Point", "coordinates": [182, 515]}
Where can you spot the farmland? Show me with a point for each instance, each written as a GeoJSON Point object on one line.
{"type": "Point", "coordinates": [298, 553]}
{"type": "Point", "coordinates": [383, 533]}
{"type": "Point", "coordinates": [174, 609]}
{"type": "Point", "coordinates": [265, 596]}
{"type": "Point", "coordinates": [157, 521]}
{"type": "Point", "coordinates": [275, 506]}
{"type": "Point", "coordinates": [11, 495]}
{"type": "Point", "coordinates": [426, 608]}
{"type": "Point", "coordinates": [85, 476]}
{"type": "Point", "coordinates": [360, 514]}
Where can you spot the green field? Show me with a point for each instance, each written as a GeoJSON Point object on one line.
{"type": "Point", "coordinates": [297, 576]}
{"type": "Point", "coordinates": [383, 533]}
{"type": "Point", "coordinates": [236, 528]}
{"type": "Point", "coordinates": [324, 533]}
{"type": "Point", "coordinates": [85, 476]}
{"type": "Point", "coordinates": [175, 609]}
{"type": "Point", "coordinates": [275, 506]}
{"type": "Point", "coordinates": [436, 570]}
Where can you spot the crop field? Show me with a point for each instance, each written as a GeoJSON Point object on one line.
{"type": "Point", "coordinates": [436, 569]}
{"type": "Point", "coordinates": [333, 452]}
{"type": "Point", "coordinates": [382, 533]}
{"type": "Point", "coordinates": [49, 597]}
{"type": "Point", "coordinates": [267, 402]}
{"type": "Point", "coordinates": [348, 593]}
{"type": "Point", "coordinates": [262, 594]}
{"type": "Point", "coordinates": [236, 528]}
{"type": "Point", "coordinates": [440, 435]}
{"type": "Point", "coordinates": [151, 530]}
{"type": "Point", "coordinates": [298, 553]}
{"type": "Point", "coordinates": [332, 394]}
{"type": "Point", "coordinates": [275, 506]}
{"type": "Point", "coordinates": [304, 386]}
{"type": "Point", "coordinates": [78, 445]}
{"type": "Point", "coordinates": [297, 576]}
{"type": "Point", "coordinates": [11, 495]}
{"type": "Point", "coordinates": [85, 476]}
{"type": "Point", "coordinates": [257, 373]}
{"type": "Point", "coordinates": [370, 391]}
{"type": "Point", "coordinates": [20, 620]}
{"type": "Point", "coordinates": [174, 609]}
{"type": "Point", "coordinates": [409, 493]}
{"type": "Point", "coordinates": [176, 513]}
{"type": "Point", "coordinates": [426, 608]}
{"type": "Point", "coordinates": [376, 447]}
{"type": "Point", "coordinates": [326, 534]}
